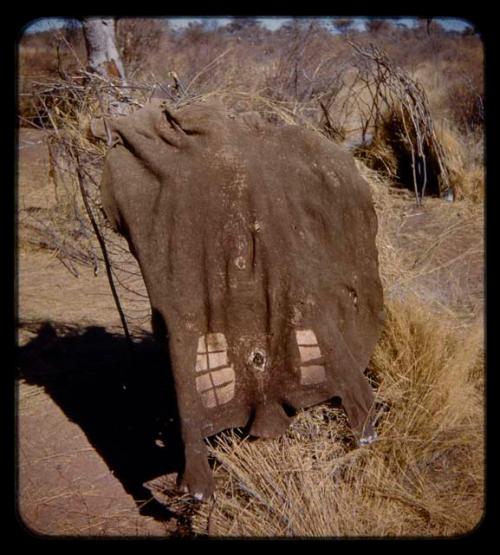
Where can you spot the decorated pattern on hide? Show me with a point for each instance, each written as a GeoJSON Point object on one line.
{"type": "Point", "coordinates": [312, 369]}
{"type": "Point", "coordinates": [215, 376]}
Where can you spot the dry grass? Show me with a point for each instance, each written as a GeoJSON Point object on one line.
{"type": "Point", "coordinates": [424, 477]}
{"type": "Point", "coordinates": [434, 254]}
{"type": "Point", "coordinates": [455, 97]}
{"type": "Point", "coordinates": [462, 157]}
{"type": "Point", "coordinates": [465, 161]}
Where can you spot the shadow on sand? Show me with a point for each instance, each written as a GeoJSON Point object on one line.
{"type": "Point", "coordinates": [83, 369]}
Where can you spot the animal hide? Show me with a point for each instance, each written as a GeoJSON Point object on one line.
{"type": "Point", "coordinates": [257, 248]}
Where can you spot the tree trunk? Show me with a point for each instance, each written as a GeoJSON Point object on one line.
{"type": "Point", "coordinates": [103, 56]}
{"type": "Point", "coordinates": [105, 60]}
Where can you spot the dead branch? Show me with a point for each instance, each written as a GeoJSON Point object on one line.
{"type": "Point", "coordinates": [392, 90]}
{"type": "Point", "coordinates": [75, 228]}
{"type": "Point", "coordinates": [109, 273]}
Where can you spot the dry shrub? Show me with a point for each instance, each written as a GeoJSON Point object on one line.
{"type": "Point", "coordinates": [460, 145]}
{"type": "Point", "coordinates": [464, 85]}
{"type": "Point", "coordinates": [137, 38]}
{"type": "Point", "coordinates": [465, 161]}
{"type": "Point", "coordinates": [423, 477]}
{"type": "Point", "coordinates": [457, 105]}
{"type": "Point", "coordinates": [456, 102]}
{"type": "Point", "coordinates": [38, 54]}
{"type": "Point", "coordinates": [191, 55]}
{"type": "Point", "coordinates": [455, 91]}
{"type": "Point", "coordinates": [45, 58]}
{"type": "Point", "coordinates": [404, 109]}
{"type": "Point", "coordinates": [393, 151]}
{"type": "Point", "coordinates": [36, 61]}
{"type": "Point", "coordinates": [466, 100]}
{"type": "Point", "coordinates": [398, 123]}
{"type": "Point", "coordinates": [303, 69]}
{"type": "Point", "coordinates": [75, 164]}
{"type": "Point", "coordinates": [461, 154]}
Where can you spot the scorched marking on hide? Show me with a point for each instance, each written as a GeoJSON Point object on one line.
{"type": "Point", "coordinates": [312, 371]}
{"type": "Point", "coordinates": [257, 360]}
{"type": "Point", "coordinates": [240, 263]}
{"type": "Point", "coordinates": [215, 379]}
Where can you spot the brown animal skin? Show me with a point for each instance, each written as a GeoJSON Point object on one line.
{"type": "Point", "coordinates": [257, 247]}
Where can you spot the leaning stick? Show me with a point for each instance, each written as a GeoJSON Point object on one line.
{"type": "Point", "coordinates": [107, 264]}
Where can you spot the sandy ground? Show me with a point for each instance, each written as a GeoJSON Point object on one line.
{"type": "Point", "coordinates": [65, 486]}
{"type": "Point", "coordinates": [79, 473]}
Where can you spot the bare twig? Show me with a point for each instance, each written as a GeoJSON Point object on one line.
{"type": "Point", "coordinates": [109, 273]}
{"type": "Point", "coordinates": [390, 87]}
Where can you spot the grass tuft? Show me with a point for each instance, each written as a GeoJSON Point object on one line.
{"type": "Point", "coordinates": [423, 477]}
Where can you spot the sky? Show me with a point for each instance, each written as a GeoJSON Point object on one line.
{"type": "Point", "coordinates": [269, 22]}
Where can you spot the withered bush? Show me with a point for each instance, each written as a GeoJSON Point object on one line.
{"type": "Point", "coordinates": [44, 59]}
{"type": "Point", "coordinates": [466, 100]}
{"type": "Point", "coordinates": [390, 153]}
{"type": "Point", "coordinates": [137, 38]}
